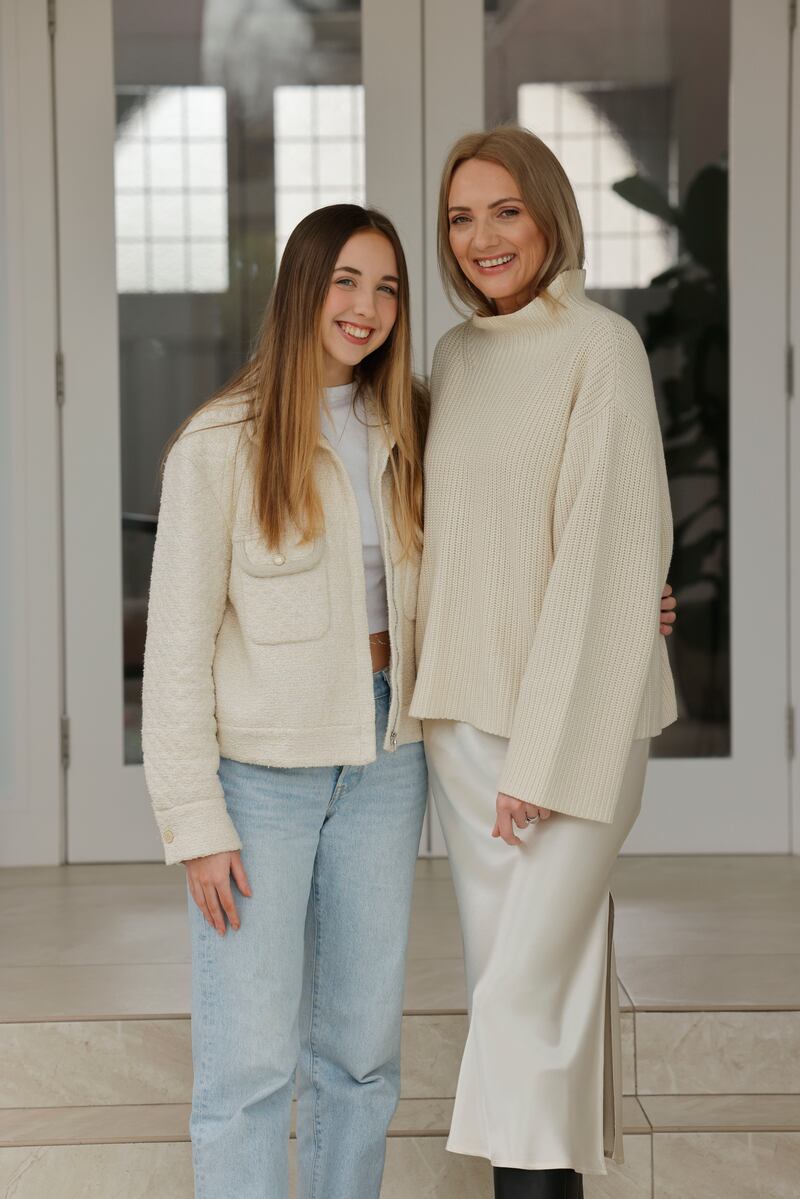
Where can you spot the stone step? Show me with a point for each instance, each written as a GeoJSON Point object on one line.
{"type": "Point", "coordinates": [156, 1122]}
{"type": "Point", "coordinates": [135, 1061]}
{"type": "Point", "coordinates": [142, 1152]}
{"type": "Point", "coordinates": [743, 1147]}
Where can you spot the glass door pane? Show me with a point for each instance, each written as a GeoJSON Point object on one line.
{"type": "Point", "coordinates": [233, 121]}
{"type": "Point", "coordinates": [633, 99]}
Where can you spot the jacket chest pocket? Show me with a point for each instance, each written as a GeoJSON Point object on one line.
{"type": "Point", "coordinates": [280, 596]}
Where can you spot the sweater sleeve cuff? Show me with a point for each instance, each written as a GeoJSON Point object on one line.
{"type": "Point", "coordinates": [196, 830]}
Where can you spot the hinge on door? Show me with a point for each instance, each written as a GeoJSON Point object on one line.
{"type": "Point", "coordinates": [65, 746]}
{"type": "Point", "coordinates": [790, 371]}
{"type": "Point", "coordinates": [51, 17]}
{"type": "Point", "coordinates": [790, 731]}
{"type": "Point", "coordinates": [60, 379]}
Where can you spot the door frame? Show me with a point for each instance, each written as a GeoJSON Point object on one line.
{"type": "Point", "coordinates": [686, 807]}
{"type": "Point", "coordinates": [793, 422]}
{"type": "Point", "coordinates": [31, 781]}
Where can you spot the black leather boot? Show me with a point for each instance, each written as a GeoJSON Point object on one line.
{"type": "Point", "coordinates": [536, 1184]}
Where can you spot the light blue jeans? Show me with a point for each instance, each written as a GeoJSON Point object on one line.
{"type": "Point", "coordinates": [312, 981]}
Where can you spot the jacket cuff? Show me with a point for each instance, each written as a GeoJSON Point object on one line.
{"type": "Point", "coordinates": [196, 830]}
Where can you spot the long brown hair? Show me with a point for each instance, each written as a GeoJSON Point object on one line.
{"type": "Point", "coordinates": [547, 194]}
{"type": "Point", "coordinates": [282, 383]}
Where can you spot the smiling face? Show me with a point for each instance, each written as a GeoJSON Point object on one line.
{"type": "Point", "coordinates": [496, 242]}
{"type": "Point", "coordinates": [361, 306]}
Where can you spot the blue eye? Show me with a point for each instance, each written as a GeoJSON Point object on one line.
{"type": "Point", "coordinates": [390, 291]}
{"type": "Point", "coordinates": [345, 279]}
{"type": "Point", "coordinates": [458, 219]}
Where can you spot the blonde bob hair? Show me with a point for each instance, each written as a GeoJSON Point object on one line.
{"type": "Point", "coordinates": [544, 189]}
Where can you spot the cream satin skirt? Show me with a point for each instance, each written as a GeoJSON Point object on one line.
{"type": "Point", "coordinates": [540, 1084]}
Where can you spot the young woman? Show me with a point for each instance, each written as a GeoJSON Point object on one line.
{"type": "Point", "coordinates": [278, 749]}
{"type": "Point", "coordinates": [279, 752]}
{"type": "Point", "coordinates": [541, 677]}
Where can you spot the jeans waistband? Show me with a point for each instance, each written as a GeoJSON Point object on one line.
{"type": "Point", "coordinates": [382, 682]}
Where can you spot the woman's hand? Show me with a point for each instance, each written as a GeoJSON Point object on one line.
{"type": "Point", "coordinates": [668, 615]}
{"type": "Point", "coordinates": [512, 811]}
{"type": "Point", "coordinates": [210, 885]}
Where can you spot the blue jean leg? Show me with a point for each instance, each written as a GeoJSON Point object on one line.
{"type": "Point", "coordinates": [246, 987]}
{"type": "Point", "coordinates": [348, 1077]}
{"type": "Point", "coordinates": [317, 863]}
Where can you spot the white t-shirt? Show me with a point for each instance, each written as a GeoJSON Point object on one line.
{"type": "Point", "coordinates": [347, 433]}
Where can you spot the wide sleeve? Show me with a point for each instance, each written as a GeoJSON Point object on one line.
{"type": "Point", "coordinates": [188, 594]}
{"type": "Point", "coordinates": [594, 643]}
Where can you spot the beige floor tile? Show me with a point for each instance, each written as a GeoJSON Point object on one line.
{"type": "Point", "coordinates": [722, 1113]}
{"type": "Point", "coordinates": [416, 1168]}
{"type": "Point", "coordinates": [716, 905]}
{"type": "Point", "coordinates": [114, 1123]}
{"type": "Point", "coordinates": [632, 1180]}
{"type": "Point", "coordinates": [628, 1054]}
{"type": "Point", "coordinates": [634, 1119]}
{"type": "Point", "coordinates": [149, 1061]}
{"type": "Point", "coordinates": [156, 1122]}
{"type": "Point", "coordinates": [135, 873]}
{"type": "Point", "coordinates": [713, 981]}
{"type": "Point", "coordinates": [434, 934]}
{"type": "Point", "coordinates": [435, 984]}
{"type": "Point", "coordinates": [434, 868]}
{"type": "Point", "coordinates": [431, 1055]}
{"type": "Point", "coordinates": [94, 992]}
{"type": "Point", "coordinates": [421, 1168]}
{"type": "Point", "coordinates": [93, 924]}
{"type": "Point", "coordinates": [728, 1165]}
{"type": "Point", "coordinates": [96, 1062]}
{"type": "Point", "coordinates": [679, 1053]}
{"type": "Point", "coordinates": [143, 1171]}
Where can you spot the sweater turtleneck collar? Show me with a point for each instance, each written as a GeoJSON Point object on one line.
{"type": "Point", "coordinates": [539, 313]}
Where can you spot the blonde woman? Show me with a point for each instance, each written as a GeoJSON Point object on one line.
{"type": "Point", "coordinates": [280, 756]}
{"type": "Point", "coordinates": [541, 676]}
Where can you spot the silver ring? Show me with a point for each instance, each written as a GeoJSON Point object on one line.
{"type": "Point", "coordinates": [533, 819]}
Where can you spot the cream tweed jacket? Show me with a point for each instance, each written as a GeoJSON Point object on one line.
{"type": "Point", "coordinates": [255, 654]}
{"type": "Point", "coordinates": [548, 534]}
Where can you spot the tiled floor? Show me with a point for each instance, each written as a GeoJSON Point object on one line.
{"type": "Point", "coordinates": [94, 1035]}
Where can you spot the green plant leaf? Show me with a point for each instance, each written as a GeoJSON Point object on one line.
{"type": "Point", "coordinates": [644, 194]}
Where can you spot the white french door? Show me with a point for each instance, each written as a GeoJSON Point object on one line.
{"type": "Point", "coordinates": [692, 99]}
{"type": "Point", "coordinates": [191, 138]}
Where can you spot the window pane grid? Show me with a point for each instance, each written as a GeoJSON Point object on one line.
{"type": "Point", "coordinates": [624, 246]}
{"type": "Point", "coordinates": [171, 189]}
{"type": "Point", "coordinates": [319, 152]}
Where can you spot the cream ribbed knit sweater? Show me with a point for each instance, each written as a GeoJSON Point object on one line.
{"type": "Point", "coordinates": [548, 534]}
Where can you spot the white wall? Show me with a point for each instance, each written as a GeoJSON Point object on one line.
{"type": "Point", "coordinates": [31, 826]}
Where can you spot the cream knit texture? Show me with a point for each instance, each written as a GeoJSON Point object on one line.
{"type": "Point", "coordinates": [256, 654]}
{"type": "Point", "coordinates": [548, 534]}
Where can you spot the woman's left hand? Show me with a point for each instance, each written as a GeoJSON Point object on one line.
{"type": "Point", "coordinates": [668, 614]}
{"type": "Point", "coordinates": [512, 811]}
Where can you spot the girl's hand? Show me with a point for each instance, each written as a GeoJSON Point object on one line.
{"type": "Point", "coordinates": [668, 606]}
{"type": "Point", "coordinates": [210, 885]}
{"type": "Point", "coordinates": [512, 811]}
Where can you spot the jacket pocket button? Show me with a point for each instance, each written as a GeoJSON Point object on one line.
{"type": "Point", "coordinates": [393, 740]}
{"type": "Point", "coordinates": [279, 559]}
{"type": "Point", "coordinates": [169, 836]}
